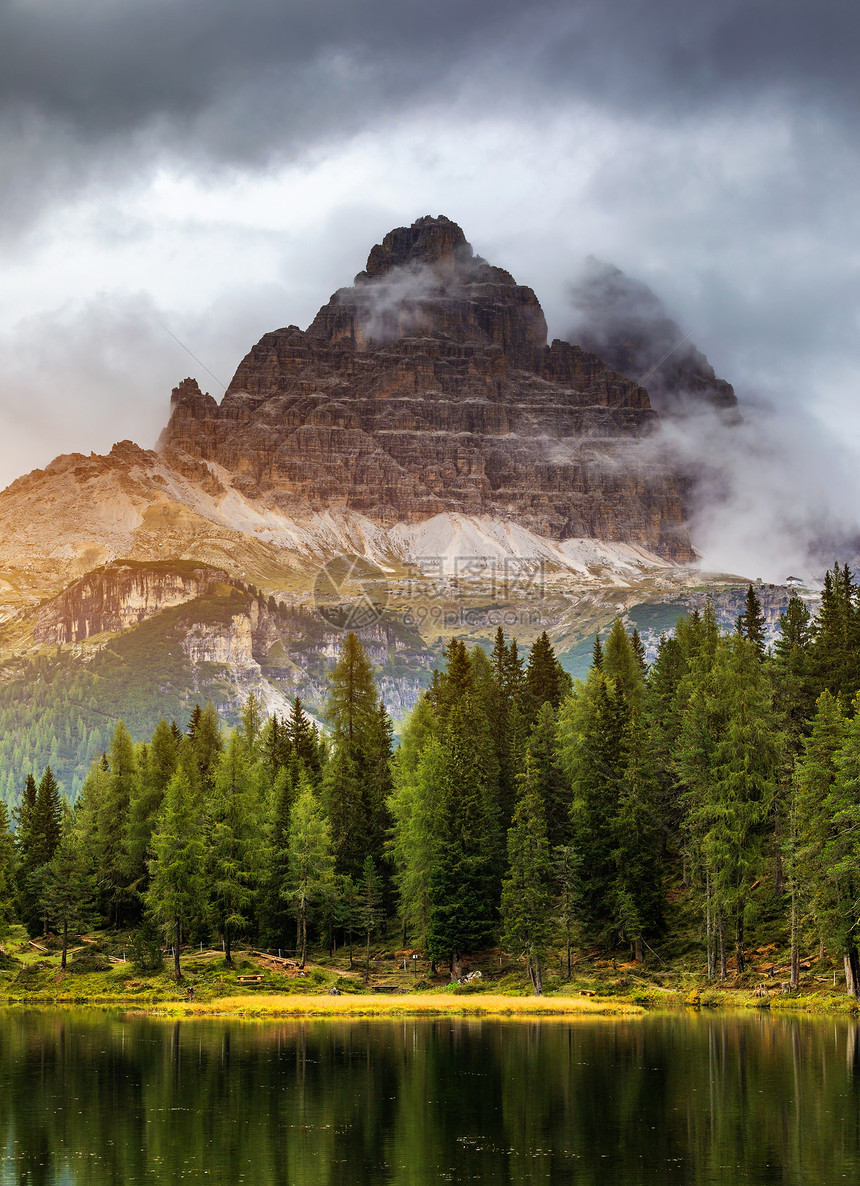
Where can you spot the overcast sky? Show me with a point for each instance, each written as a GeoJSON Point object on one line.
{"type": "Point", "coordinates": [206, 171]}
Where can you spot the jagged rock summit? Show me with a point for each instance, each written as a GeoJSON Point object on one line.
{"type": "Point", "coordinates": [624, 322]}
{"type": "Point", "coordinates": [427, 388]}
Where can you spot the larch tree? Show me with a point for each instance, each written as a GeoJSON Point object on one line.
{"type": "Point", "coordinates": [310, 861]}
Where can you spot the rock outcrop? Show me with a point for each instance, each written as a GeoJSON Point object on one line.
{"type": "Point", "coordinates": [117, 597]}
{"type": "Point", "coordinates": [429, 387]}
{"type": "Point", "coordinates": [623, 321]}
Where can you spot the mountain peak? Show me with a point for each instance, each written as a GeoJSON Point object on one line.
{"type": "Point", "coordinates": [427, 388]}
{"type": "Point", "coordinates": [428, 242]}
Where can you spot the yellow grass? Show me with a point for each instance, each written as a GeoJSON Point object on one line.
{"type": "Point", "coordinates": [407, 1005]}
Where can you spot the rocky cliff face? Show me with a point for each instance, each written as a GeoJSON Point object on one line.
{"type": "Point", "coordinates": [429, 387]}
{"type": "Point", "coordinates": [117, 597]}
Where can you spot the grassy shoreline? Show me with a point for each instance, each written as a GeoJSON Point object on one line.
{"type": "Point", "coordinates": [257, 985]}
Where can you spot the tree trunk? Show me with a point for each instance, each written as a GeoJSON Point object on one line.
{"type": "Point", "coordinates": [177, 971]}
{"type": "Point", "coordinates": [849, 976]}
{"type": "Point", "coordinates": [722, 933]}
{"type": "Point", "coordinates": [536, 978]}
{"type": "Point", "coordinates": [709, 931]}
{"type": "Point", "coordinates": [65, 944]}
{"type": "Point", "coordinates": [777, 833]}
{"type": "Point", "coordinates": [739, 944]}
{"type": "Point", "coordinates": [854, 962]}
{"type": "Point", "coordinates": [794, 983]}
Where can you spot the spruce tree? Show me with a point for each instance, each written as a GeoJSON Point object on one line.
{"type": "Point", "coordinates": [639, 651]}
{"type": "Point", "coordinates": [545, 681]}
{"type": "Point", "coordinates": [665, 698]}
{"type": "Point", "coordinates": [730, 752]}
{"type": "Point", "coordinates": [828, 828]}
{"type": "Point", "coordinates": [553, 788]}
{"type": "Point", "coordinates": [526, 898]}
{"type": "Point", "coordinates": [751, 623]}
{"type": "Point", "coordinates": [357, 778]}
{"type": "Point", "coordinates": [462, 881]}
{"type": "Point", "coordinates": [812, 823]}
{"type": "Point", "coordinates": [176, 892]}
{"type": "Point", "coordinates": [47, 820]}
{"type": "Point", "coordinates": [834, 653]}
{"type": "Point", "coordinates": [206, 744]}
{"type": "Point", "coordinates": [568, 886]}
{"type": "Point", "coordinates": [145, 799]}
{"type": "Point", "coordinates": [69, 889]}
{"type": "Point", "coordinates": [304, 738]}
{"type": "Point", "coordinates": [232, 842]}
{"type": "Point", "coordinates": [7, 871]}
{"type": "Point", "coordinates": [591, 755]}
{"type": "Point", "coordinates": [115, 871]}
{"type": "Point", "coordinates": [368, 907]}
{"type": "Point", "coordinates": [792, 676]}
{"type": "Point", "coordinates": [352, 698]}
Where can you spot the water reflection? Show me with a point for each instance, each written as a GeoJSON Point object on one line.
{"type": "Point", "coordinates": [692, 1099]}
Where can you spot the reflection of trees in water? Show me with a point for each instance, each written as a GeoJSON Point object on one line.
{"type": "Point", "coordinates": [92, 1100]}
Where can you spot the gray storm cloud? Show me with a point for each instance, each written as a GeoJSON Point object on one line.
{"type": "Point", "coordinates": [98, 86]}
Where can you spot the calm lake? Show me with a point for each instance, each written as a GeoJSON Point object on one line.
{"type": "Point", "coordinates": [86, 1098]}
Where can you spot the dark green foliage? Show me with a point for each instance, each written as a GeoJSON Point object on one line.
{"type": "Point", "coordinates": [367, 912]}
{"type": "Point", "coordinates": [751, 623]}
{"type": "Point", "coordinates": [176, 891]}
{"type": "Point", "coordinates": [525, 907]}
{"type": "Point", "coordinates": [7, 871]}
{"type": "Point", "coordinates": [546, 681]}
{"type": "Point", "coordinates": [357, 781]}
{"type": "Point", "coordinates": [309, 861]}
{"type": "Point", "coordinates": [462, 882]}
{"type": "Point", "coordinates": [834, 655]}
{"type": "Point", "coordinates": [632, 781]}
{"type": "Point", "coordinates": [547, 776]}
{"type": "Point", "coordinates": [793, 691]}
{"type": "Point", "coordinates": [39, 827]}
{"type": "Point", "coordinates": [146, 952]}
{"type": "Point", "coordinates": [728, 763]}
{"type": "Point", "coordinates": [232, 841]}
{"type": "Point", "coordinates": [69, 889]}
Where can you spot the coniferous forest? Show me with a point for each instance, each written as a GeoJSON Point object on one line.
{"type": "Point", "coordinates": [649, 810]}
